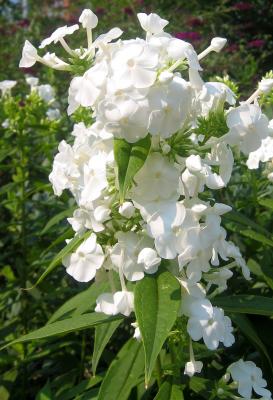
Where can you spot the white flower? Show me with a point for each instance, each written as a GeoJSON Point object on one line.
{"type": "Point", "coordinates": [83, 264]}
{"type": "Point", "coordinates": [113, 304]}
{"type": "Point", "coordinates": [249, 377]}
{"type": "Point", "coordinates": [124, 118]}
{"type": "Point", "coordinates": [266, 85]}
{"type": "Point", "coordinates": [46, 92]}
{"type": "Point", "coordinates": [53, 114]}
{"type": "Point", "coordinates": [156, 174]}
{"type": "Point", "coordinates": [152, 23]}
{"type": "Point", "coordinates": [88, 19]}
{"type": "Point", "coordinates": [32, 82]}
{"type": "Point", "coordinates": [134, 64]}
{"type": "Point", "coordinates": [193, 367]}
{"type": "Point", "coordinates": [218, 43]}
{"type": "Point", "coordinates": [247, 127]}
{"type": "Point", "coordinates": [124, 254]}
{"type": "Point", "coordinates": [137, 334]}
{"type": "Point", "coordinates": [127, 209]}
{"type": "Point", "coordinates": [6, 86]}
{"type": "Point", "coordinates": [170, 104]}
{"type": "Point", "coordinates": [179, 50]}
{"type": "Point", "coordinates": [59, 34]}
{"type": "Point", "coordinates": [65, 172]}
{"type": "Point", "coordinates": [150, 259]}
{"type": "Point", "coordinates": [52, 61]}
{"type": "Point", "coordinates": [209, 323]}
{"type": "Point", "coordinates": [105, 38]}
{"type": "Point", "coordinates": [264, 153]}
{"type": "Point", "coordinates": [29, 55]}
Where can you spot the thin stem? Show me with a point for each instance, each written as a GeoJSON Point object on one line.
{"type": "Point", "coordinates": [89, 38]}
{"type": "Point", "coordinates": [66, 47]}
{"type": "Point", "coordinates": [204, 53]}
{"type": "Point", "coordinates": [253, 96]}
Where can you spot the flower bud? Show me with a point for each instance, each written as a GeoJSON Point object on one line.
{"type": "Point", "coordinates": [165, 77]}
{"type": "Point", "coordinates": [217, 44]}
{"type": "Point", "coordinates": [266, 85]}
{"type": "Point", "coordinates": [127, 209]}
{"type": "Point", "coordinates": [166, 148]}
{"type": "Point", "coordinates": [88, 19]}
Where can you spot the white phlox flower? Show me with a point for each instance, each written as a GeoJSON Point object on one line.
{"type": "Point", "coordinates": [152, 23]}
{"type": "Point", "coordinates": [118, 303]}
{"type": "Point", "coordinates": [59, 34]}
{"type": "Point", "coordinates": [83, 264]}
{"type": "Point", "coordinates": [6, 86]}
{"type": "Point", "coordinates": [249, 378]}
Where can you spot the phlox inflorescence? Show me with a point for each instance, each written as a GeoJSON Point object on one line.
{"type": "Point", "coordinates": [152, 87]}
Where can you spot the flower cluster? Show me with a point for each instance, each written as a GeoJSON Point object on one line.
{"type": "Point", "coordinates": [149, 94]}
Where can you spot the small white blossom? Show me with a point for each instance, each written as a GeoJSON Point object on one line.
{"type": "Point", "coordinates": [6, 86]}
{"type": "Point", "coordinates": [88, 19]}
{"type": "Point", "coordinates": [83, 264]}
{"type": "Point", "coordinates": [59, 34]}
{"type": "Point", "coordinates": [117, 303]}
{"type": "Point", "coordinates": [249, 377]}
{"type": "Point", "coordinates": [29, 55]}
{"type": "Point", "coordinates": [152, 23]}
{"type": "Point", "coordinates": [127, 209]}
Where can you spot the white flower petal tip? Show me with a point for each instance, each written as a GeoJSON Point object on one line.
{"type": "Point", "coordinates": [217, 44]}
{"type": "Point", "coordinates": [88, 19]}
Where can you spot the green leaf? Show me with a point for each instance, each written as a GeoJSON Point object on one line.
{"type": "Point", "coordinates": [103, 334]}
{"type": "Point", "coordinates": [204, 387]}
{"type": "Point", "coordinates": [170, 391]}
{"type": "Point", "coordinates": [248, 330]}
{"type": "Point", "coordinates": [129, 157]}
{"type": "Point", "coordinates": [123, 373]}
{"type": "Point", "coordinates": [66, 326]}
{"type": "Point", "coordinates": [266, 203]}
{"type": "Point", "coordinates": [238, 218]}
{"type": "Point", "coordinates": [57, 218]}
{"type": "Point", "coordinates": [80, 303]}
{"type": "Point", "coordinates": [258, 237]}
{"type": "Point", "coordinates": [72, 245]}
{"type": "Point", "coordinates": [245, 304]}
{"type": "Point", "coordinates": [79, 389]}
{"type": "Point", "coordinates": [45, 393]}
{"type": "Point", "coordinates": [157, 301]}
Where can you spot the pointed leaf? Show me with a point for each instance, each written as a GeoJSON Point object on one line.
{"type": "Point", "coordinates": [245, 304]}
{"type": "Point", "coordinates": [70, 247]}
{"type": "Point", "coordinates": [170, 391]}
{"type": "Point", "coordinates": [123, 373]}
{"type": "Point", "coordinates": [66, 326]}
{"type": "Point", "coordinates": [57, 218]}
{"type": "Point", "coordinates": [103, 334]}
{"type": "Point", "coordinates": [80, 303]}
{"type": "Point", "coordinates": [157, 301]}
{"type": "Point", "coordinates": [129, 158]}
{"type": "Point", "coordinates": [248, 330]}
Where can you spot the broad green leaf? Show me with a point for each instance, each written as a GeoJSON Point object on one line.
{"type": "Point", "coordinates": [123, 373]}
{"type": "Point", "coordinates": [129, 158]}
{"type": "Point", "coordinates": [72, 245]}
{"type": "Point", "coordinates": [65, 326]}
{"type": "Point", "coordinates": [45, 393]}
{"type": "Point", "coordinates": [248, 330]}
{"type": "Point", "coordinates": [238, 218]}
{"type": "Point", "coordinates": [266, 203]}
{"type": "Point", "coordinates": [57, 218]}
{"type": "Point", "coordinates": [203, 387]}
{"type": "Point", "coordinates": [263, 271]}
{"type": "Point", "coordinates": [245, 304]}
{"type": "Point", "coordinates": [79, 389]}
{"type": "Point", "coordinates": [258, 237]}
{"type": "Point", "coordinates": [80, 303]}
{"type": "Point", "coordinates": [157, 300]}
{"type": "Point", "coordinates": [103, 334]}
{"type": "Point", "coordinates": [170, 391]}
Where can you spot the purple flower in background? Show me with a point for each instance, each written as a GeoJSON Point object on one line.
{"type": "Point", "coordinates": [100, 11]}
{"type": "Point", "coordinates": [128, 11]}
{"type": "Point", "coordinates": [23, 23]}
{"type": "Point", "coordinates": [195, 21]}
{"type": "Point", "coordinates": [257, 43]}
{"type": "Point", "coordinates": [233, 48]}
{"type": "Point", "coordinates": [243, 6]}
{"type": "Point", "coordinates": [191, 36]}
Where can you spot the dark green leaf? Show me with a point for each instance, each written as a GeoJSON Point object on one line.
{"type": "Point", "coordinates": [245, 304]}
{"type": "Point", "coordinates": [123, 372]}
{"type": "Point", "coordinates": [66, 326]}
{"type": "Point", "coordinates": [157, 301]}
{"type": "Point", "coordinates": [170, 391]}
{"type": "Point", "coordinates": [103, 334]}
{"type": "Point", "coordinates": [57, 218]}
{"type": "Point", "coordinates": [129, 158]}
